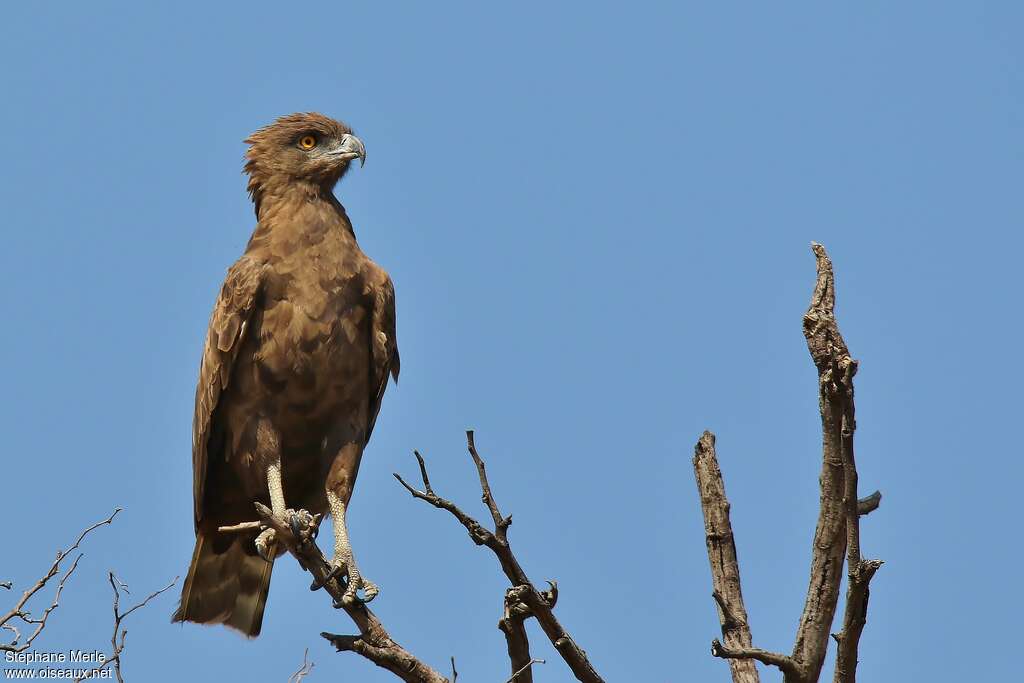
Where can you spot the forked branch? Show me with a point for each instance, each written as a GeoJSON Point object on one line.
{"type": "Point", "coordinates": [117, 640]}
{"type": "Point", "coordinates": [539, 604]}
{"type": "Point", "coordinates": [837, 535]}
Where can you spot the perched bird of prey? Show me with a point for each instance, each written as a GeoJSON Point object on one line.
{"type": "Point", "coordinates": [297, 357]}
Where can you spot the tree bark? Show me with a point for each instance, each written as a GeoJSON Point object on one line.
{"type": "Point", "coordinates": [725, 570]}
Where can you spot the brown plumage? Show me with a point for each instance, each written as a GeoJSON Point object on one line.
{"type": "Point", "coordinates": [297, 357]}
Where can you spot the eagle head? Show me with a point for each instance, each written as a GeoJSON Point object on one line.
{"type": "Point", "coordinates": [309, 148]}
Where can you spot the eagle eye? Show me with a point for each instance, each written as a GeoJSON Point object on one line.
{"type": "Point", "coordinates": [307, 142]}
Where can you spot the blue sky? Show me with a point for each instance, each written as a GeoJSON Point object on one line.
{"type": "Point", "coordinates": [597, 217]}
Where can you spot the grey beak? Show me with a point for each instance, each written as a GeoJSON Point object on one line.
{"type": "Point", "coordinates": [350, 147]}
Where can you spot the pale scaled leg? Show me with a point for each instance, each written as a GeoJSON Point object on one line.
{"type": "Point", "coordinates": [340, 482]}
{"type": "Point", "coordinates": [344, 560]}
{"type": "Point", "coordinates": [268, 448]}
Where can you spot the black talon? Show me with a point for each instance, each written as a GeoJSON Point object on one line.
{"type": "Point", "coordinates": [335, 572]}
{"type": "Point", "coordinates": [317, 518]}
{"type": "Point", "coordinates": [295, 524]}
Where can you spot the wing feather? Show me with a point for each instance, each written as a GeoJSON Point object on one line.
{"type": "Point", "coordinates": [228, 324]}
{"type": "Point", "coordinates": [386, 361]}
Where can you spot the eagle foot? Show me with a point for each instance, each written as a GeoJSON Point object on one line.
{"type": "Point", "coordinates": [304, 527]}
{"type": "Point", "coordinates": [303, 524]}
{"type": "Point", "coordinates": [354, 582]}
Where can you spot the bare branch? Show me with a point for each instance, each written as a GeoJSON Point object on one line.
{"type": "Point", "coordinates": [512, 624]}
{"type": "Point", "coordinates": [501, 524]}
{"type": "Point", "coordinates": [725, 570]}
{"type": "Point", "coordinates": [868, 504]}
{"type": "Point", "coordinates": [117, 640]}
{"type": "Point", "coordinates": [859, 571]}
{"type": "Point", "coordinates": [7, 621]}
{"type": "Point", "coordinates": [854, 619]}
{"type": "Point", "coordinates": [297, 533]}
{"type": "Point", "coordinates": [837, 535]}
{"type": "Point", "coordinates": [787, 665]}
{"type": "Point", "coordinates": [519, 675]}
{"type": "Point", "coordinates": [241, 527]}
{"type": "Point", "coordinates": [497, 542]}
{"type": "Point", "coordinates": [303, 670]}
{"type": "Point", "coordinates": [835, 385]}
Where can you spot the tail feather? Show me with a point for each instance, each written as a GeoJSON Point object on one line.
{"type": "Point", "coordinates": [227, 583]}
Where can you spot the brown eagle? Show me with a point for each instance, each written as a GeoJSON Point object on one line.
{"type": "Point", "coordinates": [297, 357]}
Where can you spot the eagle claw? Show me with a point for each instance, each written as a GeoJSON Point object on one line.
{"type": "Point", "coordinates": [303, 524]}
{"type": "Point", "coordinates": [267, 546]}
{"type": "Point", "coordinates": [354, 581]}
{"type": "Point", "coordinates": [370, 591]}
{"type": "Point", "coordinates": [335, 572]}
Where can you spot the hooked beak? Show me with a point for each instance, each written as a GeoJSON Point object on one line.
{"type": "Point", "coordinates": [349, 148]}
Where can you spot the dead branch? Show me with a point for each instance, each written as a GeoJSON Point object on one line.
{"type": "Point", "coordinates": [868, 504]}
{"type": "Point", "coordinates": [859, 570]}
{"type": "Point", "coordinates": [836, 370]}
{"type": "Point", "coordinates": [239, 528]}
{"type": "Point", "coordinates": [725, 571]}
{"type": "Point", "coordinates": [835, 373]}
{"type": "Point", "coordinates": [18, 613]}
{"type": "Point", "coordinates": [512, 624]}
{"type": "Point", "coordinates": [298, 534]}
{"type": "Point", "coordinates": [786, 664]}
{"type": "Point", "coordinates": [497, 542]}
{"type": "Point", "coordinates": [837, 535]}
{"type": "Point", "coordinates": [303, 670]}
{"type": "Point", "coordinates": [117, 640]}
{"type": "Point", "coordinates": [527, 668]}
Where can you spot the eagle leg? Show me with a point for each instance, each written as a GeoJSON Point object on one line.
{"type": "Point", "coordinates": [344, 561]}
{"type": "Point", "coordinates": [266, 543]}
{"type": "Point", "coordinates": [268, 448]}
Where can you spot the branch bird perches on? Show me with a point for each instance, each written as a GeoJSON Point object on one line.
{"type": "Point", "coordinates": [297, 532]}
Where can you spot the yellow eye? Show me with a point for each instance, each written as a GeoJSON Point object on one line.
{"type": "Point", "coordinates": [307, 142]}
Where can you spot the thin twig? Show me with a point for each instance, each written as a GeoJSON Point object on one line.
{"type": "Point", "coordinates": [501, 524]}
{"type": "Point", "coordinates": [20, 613]}
{"type": "Point", "coordinates": [303, 670]}
{"type": "Point", "coordinates": [238, 528]}
{"type": "Point", "coordinates": [117, 640]}
{"type": "Point", "coordinates": [525, 669]}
